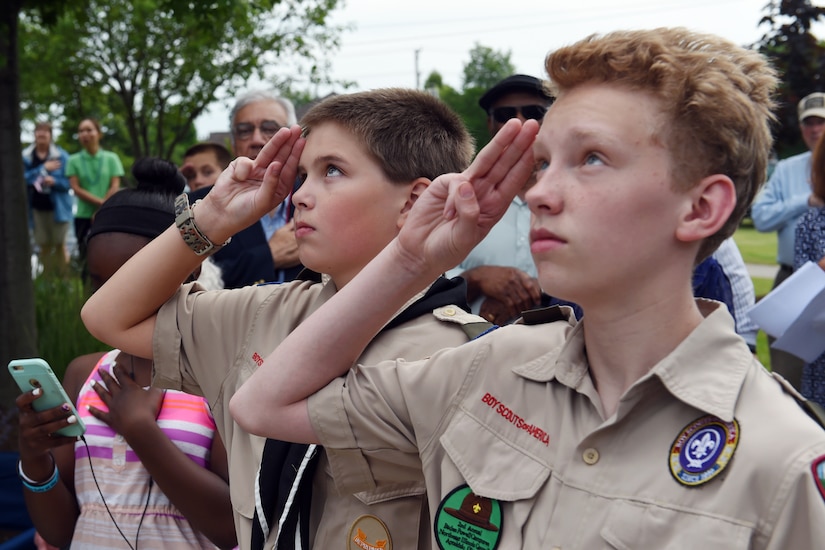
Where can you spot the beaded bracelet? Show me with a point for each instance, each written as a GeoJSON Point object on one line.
{"type": "Point", "coordinates": [38, 487]}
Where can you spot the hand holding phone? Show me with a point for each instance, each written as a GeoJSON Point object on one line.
{"type": "Point", "coordinates": [36, 373]}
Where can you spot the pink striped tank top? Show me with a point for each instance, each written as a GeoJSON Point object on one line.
{"type": "Point", "coordinates": [125, 483]}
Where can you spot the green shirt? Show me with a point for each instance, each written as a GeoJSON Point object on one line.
{"type": "Point", "coordinates": [94, 173]}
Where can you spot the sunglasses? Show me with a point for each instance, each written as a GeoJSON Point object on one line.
{"type": "Point", "coordinates": [245, 130]}
{"type": "Point", "coordinates": [503, 114]}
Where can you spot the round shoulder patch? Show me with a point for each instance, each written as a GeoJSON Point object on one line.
{"type": "Point", "coordinates": [369, 533]}
{"type": "Point", "coordinates": [467, 520]}
{"type": "Point", "coordinates": [703, 450]}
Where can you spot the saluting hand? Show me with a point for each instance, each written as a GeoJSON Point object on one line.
{"type": "Point", "coordinates": [248, 188]}
{"type": "Point", "coordinates": [458, 210]}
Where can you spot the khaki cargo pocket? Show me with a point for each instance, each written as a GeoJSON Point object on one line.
{"type": "Point", "coordinates": [402, 508]}
{"type": "Point", "coordinates": [492, 466]}
{"type": "Point", "coordinates": [632, 525]}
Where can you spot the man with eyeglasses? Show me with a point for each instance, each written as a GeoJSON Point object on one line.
{"type": "Point", "coordinates": [266, 251]}
{"type": "Point", "coordinates": [500, 273]}
{"type": "Point", "coordinates": [783, 201]}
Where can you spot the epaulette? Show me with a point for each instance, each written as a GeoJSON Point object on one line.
{"type": "Point", "coordinates": [472, 325]}
{"type": "Point", "coordinates": [550, 314]}
{"type": "Point", "coordinates": [811, 408]}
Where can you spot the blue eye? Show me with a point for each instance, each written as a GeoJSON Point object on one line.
{"type": "Point", "coordinates": [592, 159]}
{"type": "Point", "coordinates": [541, 165]}
{"type": "Point", "coordinates": [333, 171]}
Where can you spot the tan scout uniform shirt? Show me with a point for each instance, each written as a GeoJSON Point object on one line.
{"type": "Point", "coordinates": [209, 343]}
{"type": "Point", "coordinates": [515, 415]}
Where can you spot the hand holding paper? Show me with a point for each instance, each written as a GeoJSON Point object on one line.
{"type": "Point", "coordinates": [794, 313]}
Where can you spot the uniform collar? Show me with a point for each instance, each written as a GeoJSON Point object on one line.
{"type": "Point", "coordinates": [708, 368]}
{"type": "Point", "coordinates": [705, 371]}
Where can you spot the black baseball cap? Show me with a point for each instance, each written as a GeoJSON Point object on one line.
{"type": "Point", "coordinates": [516, 82]}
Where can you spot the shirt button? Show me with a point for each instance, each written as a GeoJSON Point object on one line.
{"type": "Point", "coordinates": [448, 311]}
{"type": "Point", "coordinates": [590, 456]}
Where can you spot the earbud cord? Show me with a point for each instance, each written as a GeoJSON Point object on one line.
{"type": "Point", "coordinates": [145, 506]}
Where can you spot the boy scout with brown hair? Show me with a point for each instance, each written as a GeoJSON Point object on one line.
{"type": "Point", "coordinates": [649, 424]}
{"type": "Point", "coordinates": [364, 159]}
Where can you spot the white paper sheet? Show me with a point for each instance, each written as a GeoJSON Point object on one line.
{"type": "Point", "coordinates": [794, 313]}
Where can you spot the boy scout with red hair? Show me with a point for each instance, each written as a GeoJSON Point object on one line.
{"type": "Point", "coordinates": [649, 424]}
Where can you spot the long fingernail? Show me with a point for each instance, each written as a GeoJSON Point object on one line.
{"type": "Point", "coordinates": [66, 407]}
{"type": "Point", "coordinates": [72, 419]}
{"type": "Point", "coordinates": [37, 391]}
{"type": "Point", "coordinates": [92, 382]}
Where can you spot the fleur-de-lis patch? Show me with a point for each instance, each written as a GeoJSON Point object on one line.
{"type": "Point", "coordinates": [702, 450]}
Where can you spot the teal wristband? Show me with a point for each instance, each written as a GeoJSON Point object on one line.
{"type": "Point", "coordinates": [47, 485]}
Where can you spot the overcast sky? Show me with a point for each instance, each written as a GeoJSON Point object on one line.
{"type": "Point", "coordinates": [380, 50]}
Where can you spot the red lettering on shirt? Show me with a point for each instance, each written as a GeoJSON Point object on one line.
{"type": "Point", "coordinates": [510, 416]}
{"type": "Point", "coordinates": [258, 359]}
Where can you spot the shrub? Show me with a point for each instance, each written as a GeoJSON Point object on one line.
{"type": "Point", "coordinates": [60, 332]}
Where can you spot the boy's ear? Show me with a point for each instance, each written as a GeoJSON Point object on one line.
{"type": "Point", "coordinates": [417, 188]}
{"type": "Point", "coordinates": [711, 202]}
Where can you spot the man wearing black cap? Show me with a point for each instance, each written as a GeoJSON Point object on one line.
{"type": "Point", "coordinates": [500, 273]}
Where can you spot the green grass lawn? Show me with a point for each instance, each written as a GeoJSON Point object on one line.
{"type": "Point", "coordinates": [761, 286]}
{"type": "Point", "coordinates": [756, 247]}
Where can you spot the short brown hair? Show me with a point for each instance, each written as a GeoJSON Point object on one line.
{"type": "Point", "coordinates": [43, 126]}
{"type": "Point", "coordinates": [222, 154]}
{"type": "Point", "coordinates": [409, 133]}
{"type": "Point", "coordinates": [717, 96]}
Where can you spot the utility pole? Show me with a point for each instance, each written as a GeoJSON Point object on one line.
{"type": "Point", "coordinates": [417, 73]}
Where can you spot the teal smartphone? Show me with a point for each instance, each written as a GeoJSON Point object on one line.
{"type": "Point", "coordinates": [36, 373]}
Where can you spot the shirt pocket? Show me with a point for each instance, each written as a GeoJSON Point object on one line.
{"type": "Point", "coordinates": [632, 525]}
{"type": "Point", "coordinates": [402, 508]}
{"type": "Point", "coordinates": [493, 466]}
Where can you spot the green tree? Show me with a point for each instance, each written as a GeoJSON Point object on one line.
{"type": "Point", "coordinates": [18, 333]}
{"type": "Point", "coordinates": [148, 68]}
{"type": "Point", "coordinates": [485, 68]}
{"type": "Point", "coordinates": [434, 81]}
{"type": "Point", "coordinates": [800, 59]}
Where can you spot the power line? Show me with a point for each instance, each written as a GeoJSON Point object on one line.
{"type": "Point", "coordinates": [553, 19]}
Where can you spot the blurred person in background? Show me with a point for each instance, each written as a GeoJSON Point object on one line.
{"type": "Point", "coordinates": [94, 174]}
{"type": "Point", "coordinates": [44, 165]}
{"type": "Point", "coordinates": [203, 163]}
{"type": "Point", "coordinates": [780, 205]}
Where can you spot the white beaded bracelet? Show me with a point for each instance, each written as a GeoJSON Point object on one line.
{"type": "Point", "coordinates": [38, 486]}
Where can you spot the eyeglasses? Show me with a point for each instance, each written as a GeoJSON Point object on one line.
{"type": "Point", "coordinates": [503, 114]}
{"type": "Point", "coordinates": [245, 130]}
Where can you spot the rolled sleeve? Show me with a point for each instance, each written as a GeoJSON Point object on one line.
{"type": "Point", "coordinates": [168, 355]}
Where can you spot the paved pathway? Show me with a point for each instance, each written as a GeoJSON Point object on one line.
{"type": "Point", "coordinates": [763, 271]}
